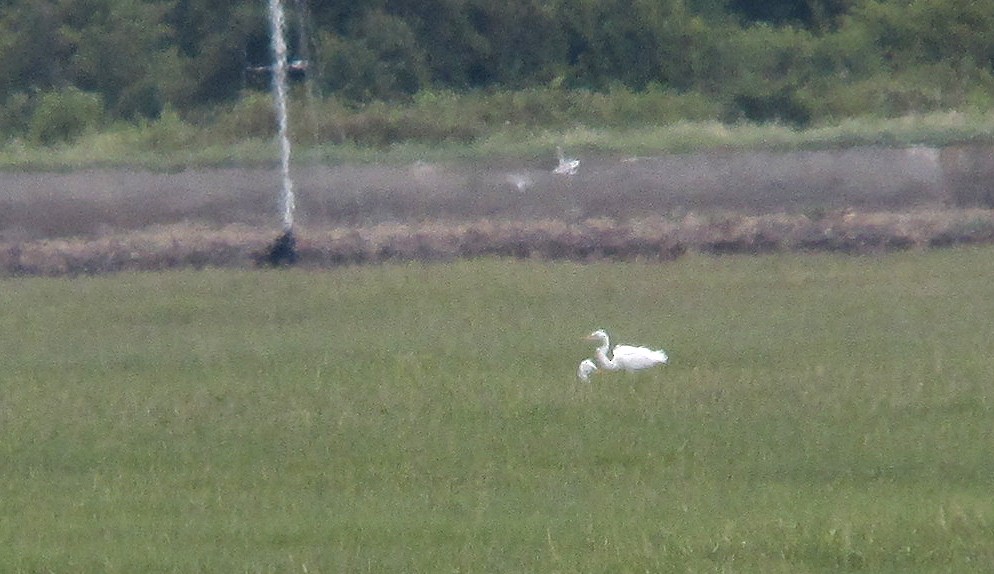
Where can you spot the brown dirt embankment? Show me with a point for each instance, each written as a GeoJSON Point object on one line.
{"type": "Point", "coordinates": [657, 238]}
{"type": "Point", "coordinates": [854, 200]}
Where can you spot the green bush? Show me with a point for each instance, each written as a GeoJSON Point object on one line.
{"type": "Point", "coordinates": [380, 125]}
{"type": "Point", "coordinates": [252, 116]}
{"type": "Point", "coordinates": [381, 61]}
{"type": "Point", "coordinates": [64, 115]}
{"type": "Point", "coordinates": [139, 101]}
{"type": "Point", "coordinates": [15, 115]}
{"type": "Point", "coordinates": [169, 132]}
{"type": "Point", "coordinates": [767, 70]}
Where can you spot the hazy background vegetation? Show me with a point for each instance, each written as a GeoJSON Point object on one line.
{"type": "Point", "coordinates": [175, 73]}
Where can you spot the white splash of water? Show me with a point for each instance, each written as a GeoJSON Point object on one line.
{"type": "Point", "coordinates": [277, 22]}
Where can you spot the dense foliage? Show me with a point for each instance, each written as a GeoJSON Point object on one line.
{"type": "Point", "coordinates": [69, 64]}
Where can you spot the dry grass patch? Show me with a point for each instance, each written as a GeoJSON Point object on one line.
{"type": "Point", "coordinates": [651, 238]}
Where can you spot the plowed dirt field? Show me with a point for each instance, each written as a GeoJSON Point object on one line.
{"type": "Point", "coordinates": [856, 199]}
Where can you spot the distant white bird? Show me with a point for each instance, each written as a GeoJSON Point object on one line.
{"type": "Point", "coordinates": [520, 181]}
{"type": "Point", "coordinates": [625, 357]}
{"type": "Point", "coordinates": [586, 368]}
{"type": "Point", "coordinates": [567, 165]}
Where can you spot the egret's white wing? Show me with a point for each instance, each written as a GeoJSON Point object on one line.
{"type": "Point", "coordinates": [567, 167]}
{"type": "Point", "coordinates": [638, 358]}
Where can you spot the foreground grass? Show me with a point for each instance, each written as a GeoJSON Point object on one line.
{"type": "Point", "coordinates": [820, 414]}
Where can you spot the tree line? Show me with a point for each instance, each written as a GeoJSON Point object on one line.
{"type": "Point", "coordinates": [793, 61]}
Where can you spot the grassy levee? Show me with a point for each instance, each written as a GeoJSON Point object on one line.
{"type": "Point", "coordinates": [821, 413]}
{"type": "Point", "coordinates": [436, 131]}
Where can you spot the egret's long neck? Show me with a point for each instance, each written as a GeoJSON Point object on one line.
{"type": "Point", "coordinates": [603, 361]}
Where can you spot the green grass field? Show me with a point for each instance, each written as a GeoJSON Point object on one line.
{"type": "Point", "coordinates": [820, 414]}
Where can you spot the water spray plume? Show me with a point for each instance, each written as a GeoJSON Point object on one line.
{"type": "Point", "coordinates": [283, 250]}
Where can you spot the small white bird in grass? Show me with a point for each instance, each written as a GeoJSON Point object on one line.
{"type": "Point", "coordinates": [567, 165]}
{"type": "Point", "coordinates": [586, 368]}
{"type": "Point", "coordinates": [520, 181]}
{"type": "Point", "coordinates": [625, 357]}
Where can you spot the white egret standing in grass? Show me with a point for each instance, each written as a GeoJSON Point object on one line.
{"type": "Point", "coordinates": [567, 165]}
{"type": "Point", "coordinates": [586, 368]}
{"type": "Point", "coordinates": [625, 357]}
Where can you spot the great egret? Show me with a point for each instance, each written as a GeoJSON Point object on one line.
{"type": "Point", "coordinates": [567, 165]}
{"type": "Point", "coordinates": [586, 368]}
{"type": "Point", "coordinates": [625, 357]}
